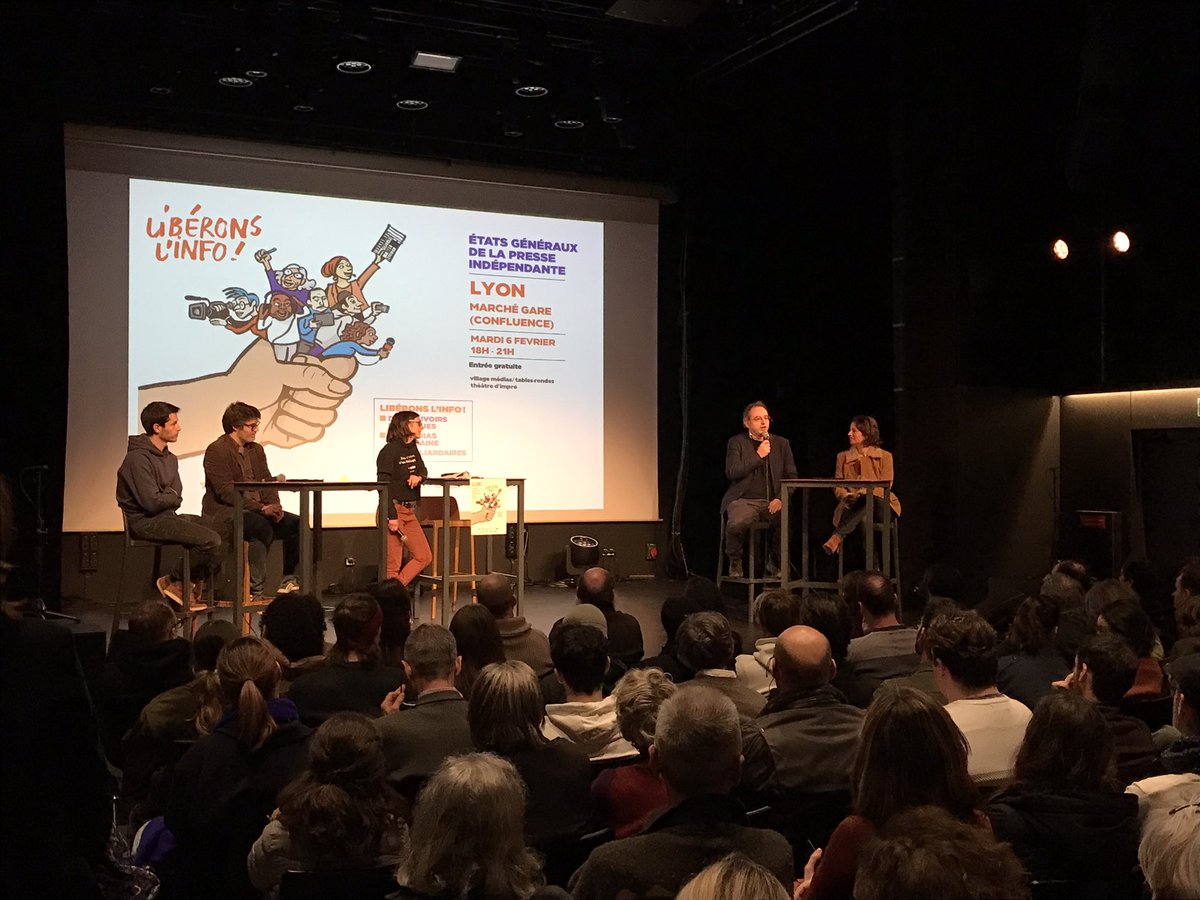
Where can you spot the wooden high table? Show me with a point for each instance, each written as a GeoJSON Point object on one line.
{"type": "Point", "coordinates": [806, 486]}
{"type": "Point", "coordinates": [310, 491]}
{"type": "Point", "coordinates": [445, 579]}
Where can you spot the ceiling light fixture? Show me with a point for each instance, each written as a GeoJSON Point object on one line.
{"type": "Point", "coordinates": [1120, 242]}
{"type": "Point", "coordinates": [530, 91]}
{"type": "Point", "coordinates": [235, 81]}
{"type": "Point", "coordinates": [411, 105]}
{"type": "Point", "coordinates": [303, 108]}
{"type": "Point", "coordinates": [568, 124]}
{"type": "Point", "coordinates": [160, 89]}
{"type": "Point", "coordinates": [435, 62]}
{"type": "Point", "coordinates": [353, 67]}
{"type": "Point", "coordinates": [1060, 249]}
{"type": "Point", "coordinates": [256, 73]}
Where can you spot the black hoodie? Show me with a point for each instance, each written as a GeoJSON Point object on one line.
{"type": "Point", "coordinates": [148, 480]}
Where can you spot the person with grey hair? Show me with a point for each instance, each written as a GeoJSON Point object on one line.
{"type": "Point", "coordinates": [706, 647]}
{"type": "Point", "coordinates": [417, 740]}
{"type": "Point", "coordinates": [697, 753]}
{"type": "Point", "coordinates": [1169, 852]}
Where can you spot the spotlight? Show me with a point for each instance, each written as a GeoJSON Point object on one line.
{"type": "Point", "coordinates": [235, 81]}
{"type": "Point", "coordinates": [1120, 242]}
{"type": "Point", "coordinates": [256, 73]}
{"type": "Point", "coordinates": [161, 90]}
{"type": "Point", "coordinates": [411, 105]}
{"type": "Point", "coordinates": [354, 67]}
{"type": "Point", "coordinates": [303, 108]}
{"type": "Point", "coordinates": [583, 552]}
{"type": "Point", "coordinates": [568, 124]}
{"type": "Point", "coordinates": [1060, 249]}
{"type": "Point", "coordinates": [530, 91]}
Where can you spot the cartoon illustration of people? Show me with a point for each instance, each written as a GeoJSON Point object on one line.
{"type": "Point", "coordinates": [357, 338]}
{"type": "Point", "coordinates": [242, 311]}
{"type": "Point", "coordinates": [318, 313]}
{"type": "Point", "coordinates": [345, 292]}
{"type": "Point", "coordinates": [278, 322]}
{"type": "Point", "coordinates": [292, 279]}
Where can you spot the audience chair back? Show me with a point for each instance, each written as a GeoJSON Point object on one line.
{"type": "Point", "coordinates": [339, 884]}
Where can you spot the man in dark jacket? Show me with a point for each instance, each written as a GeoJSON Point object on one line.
{"type": "Point", "coordinates": [755, 463]}
{"type": "Point", "coordinates": [706, 648]}
{"type": "Point", "coordinates": [597, 587]}
{"type": "Point", "coordinates": [521, 640]}
{"type": "Point", "coordinates": [236, 456]}
{"type": "Point", "coordinates": [149, 492]}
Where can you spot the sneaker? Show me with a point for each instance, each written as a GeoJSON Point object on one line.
{"type": "Point", "coordinates": [735, 569]}
{"type": "Point", "coordinates": [289, 585]}
{"type": "Point", "coordinates": [172, 591]}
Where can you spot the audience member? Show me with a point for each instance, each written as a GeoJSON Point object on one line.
{"type": "Point", "coordinates": [887, 648]}
{"type": "Point", "coordinates": [831, 616]}
{"type": "Point", "coordinates": [1104, 670]}
{"type": "Point", "coordinates": [396, 602]}
{"type": "Point", "coordinates": [911, 754]}
{"type": "Point", "coordinates": [706, 648]}
{"type": "Point", "coordinates": [586, 717]}
{"type": "Point", "coordinates": [1180, 761]}
{"type": "Point", "coordinates": [922, 677]}
{"type": "Point", "coordinates": [1075, 569]}
{"type": "Point", "coordinates": [705, 595]}
{"type": "Point", "coordinates": [553, 690]}
{"type": "Point", "coordinates": [478, 640]}
{"type": "Point", "coordinates": [1128, 621]}
{"type": "Point", "coordinates": [775, 611]}
{"type": "Point", "coordinates": [926, 854]}
{"type": "Point", "coordinates": [697, 752]}
{"type": "Point", "coordinates": [674, 611]}
{"type": "Point", "coordinates": [417, 740]}
{"type": "Point", "coordinates": [1169, 852]}
{"type": "Point", "coordinates": [1154, 591]}
{"type": "Point", "coordinates": [467, 838]}
{"type": "Point", "coordinates": [626, 795]}
{"type": "Point", "coordinates": [354, 679]}
{"type": "Point", "coordinates": [940, 581]}
{"type": "Point", "coordinates": [734, 877]}
{"type": "Point", "coordinates": [521, 640]}
{"type": "Point", "coordinates": [1105, 593]}
{"type": "Point", "coordinates": [1064, 815]}
{"type": "Point", "coordinates": [596, 586]}
{"type": "Point", "coordinates": [295, 625]}
{"type": "Point", "coordinates": [147, 661]}
{"type": "Point", "coordinates": [1187, 627]}
{"type": "Point", "coordinates": [505, 716]}
{"type": "Point", "coordinates": [227, 784]}
{"type": "Point", "coordinates": [339, 813]}
{"type": "Point", "coordinates": [806, 737]}
{"type": "Point", "coordinates": [963, 648]}
{"type": "Point", "coordinates": [1031, 663]}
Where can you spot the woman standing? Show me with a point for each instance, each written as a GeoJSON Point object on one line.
{"type": "Point", "coordinates": [400, 464]}
{"type": "Point", "coordinates": [864, 461]}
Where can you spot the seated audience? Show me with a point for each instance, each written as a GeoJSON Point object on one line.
{"type": "Point", "coordinates": [582, 614]}
{"type": "Point", "coordinates": [520, 639]}
{"type": "Point", "coordinates": [626, 795]}
{"type": "Point", "coordinates": [1153, 589]}
{"type": "Point", "coordinates": [963, 648]}
{"type": "Point", "coordinates": [142, 663]}
{"type": "Point", "coordinates": [1104, 670]}
{"type": "Point", "coordinates": [1187, 583]}
{"type": "Point", "coordinates": [1105, 593]}
{"type": "Point", "coordinates": [1180, 761]}
{"type": "Point", "coordinates": [1030, 662]}
{"type": "Point", "coordinates": [1187, 627]}
{"type": "Point", "coordinates": [775, 611]}
{"type": "Point", "coordinates": [1128, 621]}
{"type": "Point", "coordinates": [396, 602]}
{"type": "Point", "coordinates": [225, 787]}
{"type": "Point", "coordinates": [734, 877]}
{"type": "Point", "coordinates": [467, 838]}
{"type": "Point", "coordinates": [354, 679]}
{"type": "Point", "coordinates": [1064, 815]}
{"type": "Point", "coordinates": [1076, 570]}
{"type": "Point", "coordinates": [295, 625]}
{"type": "Point", "coordinates": [922, 677]}
{"type": "Point", "coordinates": [586, 717]}
{"type": "Point", "coordinates": [911, 754]}
{"type": "Point", "coordinates": [706, 647]}
{"type": "Point", "coordinates": [1169, 852]}
{"type": "Point", "coordinates": [339, 813]}
{"type": "Point", "coordinates": [505, 716]}
{"type": "Point", "coordinates": [674, 611]}
{"type": "Point", "coordinates": [939, 581]}
{"type": "Point", "coordinates": [926, 853]}
{"type": "Point", "coordinates": [887, 648]}
{"type": "Point", "coordinates": [806, 737]}
{"type": "Point", "coordinates": [417, 740]}
{"type": "Point", "coordinates": [479, 644]}
{"type": "Point", "coordinates": [830, 615]}
{"type": "Point", "coordinates": [697, 753]}
{"type": "Point", "coordinates": [596, 586]}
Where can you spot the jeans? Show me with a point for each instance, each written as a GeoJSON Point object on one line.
{"type": "Point", "coordinates": [260, 532]}
{"type": "Point", "coordinates": [172, 528]}
{"type": "Point", "coordinates": [739, 516]}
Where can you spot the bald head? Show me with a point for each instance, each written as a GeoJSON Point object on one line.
{"type": "Point", "coordinates": [596, 587]}
{"type": "Point", "coordinates": [496, 593]}
{"type": "Point", "coordinates": [802, 658]}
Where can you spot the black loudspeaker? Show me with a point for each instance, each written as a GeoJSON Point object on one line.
{"type": "Point", "coordinates": [1094, 536]}
{"type": "Point", "coordinates": [582, 553]}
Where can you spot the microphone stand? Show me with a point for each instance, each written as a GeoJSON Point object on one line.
{"type": "Point", "coordinates": [36, 608]}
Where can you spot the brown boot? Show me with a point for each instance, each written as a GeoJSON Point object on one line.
{"type": "Point", "coordinates": [833, 545]}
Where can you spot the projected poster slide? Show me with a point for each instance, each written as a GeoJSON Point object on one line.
{"type": "Point", "coordinates": [331, 314]}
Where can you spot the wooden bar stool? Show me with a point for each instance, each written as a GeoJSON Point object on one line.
{"type": "Point", "coordinates": [757, 538]}
{"type": "Point", "coordinates": [190, 610]}
{"type": "Point", "coordinates": [250, 605]}
{"type": "Point", "coordinates": [431, 515]}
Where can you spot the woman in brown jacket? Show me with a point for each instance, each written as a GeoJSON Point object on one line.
{"type": "Point", "coordinates": [864, 461]}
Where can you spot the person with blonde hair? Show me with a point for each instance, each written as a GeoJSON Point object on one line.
{"type": "Point", "coordinates": [227, 784]}
{"type": "Point", "coordinates": [505, 713]}
{"type": "Point", "coordinates": [340, 813]}
{"type": "Point", "coordinates": [1169, 852]}
{"type": "Point", "coordinates": [733, 877]}
{"type": "Point", "coordinates": [625, 796]}
{"type": "Point", "coordinates": [467, 838]}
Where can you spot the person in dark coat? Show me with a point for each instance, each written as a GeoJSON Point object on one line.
{"type": "Point", "coordinates": [1065, 816]}
{"type": "Point", "coordinates": [226, 786]}
{"type": "Point", "coordinates": [1030, 662]}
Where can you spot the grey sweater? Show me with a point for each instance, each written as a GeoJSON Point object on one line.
{"type": "Point", "coordinates": [148, 480]}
